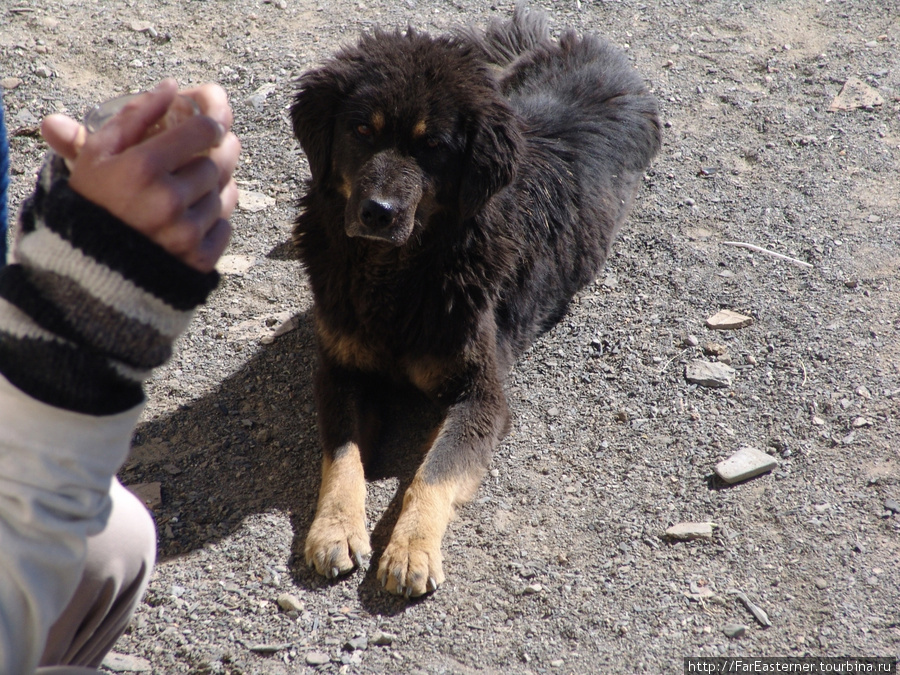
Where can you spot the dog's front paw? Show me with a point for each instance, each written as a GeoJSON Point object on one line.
{"type": "Point", "coordinates": [337, 542]}
{"type": "Point", "coordinates": [411, 565]}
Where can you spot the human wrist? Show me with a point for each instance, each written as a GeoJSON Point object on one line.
{"type": "Point", "coordinates": [91, 296]}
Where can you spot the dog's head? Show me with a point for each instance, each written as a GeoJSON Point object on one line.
{"type": "Point", "coordinates": [405, 126]}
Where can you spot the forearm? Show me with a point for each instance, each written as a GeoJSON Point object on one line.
{"type": "Point", "coordinates": [89, 305]}
{"type": "Point", "coordinates": [87, 309]}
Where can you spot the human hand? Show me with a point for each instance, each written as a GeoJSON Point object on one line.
{"type": "Point", "coordinates": [161, 186]}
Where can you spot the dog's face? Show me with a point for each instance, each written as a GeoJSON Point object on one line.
{"type": "Point", "coordinates": [403, 127]}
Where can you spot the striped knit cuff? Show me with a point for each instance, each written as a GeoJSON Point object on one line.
{"type": "Point", "coordinates": [89, 305]}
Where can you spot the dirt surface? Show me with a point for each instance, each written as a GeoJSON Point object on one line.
{"type": "Point", "coordinates": [560, 564]}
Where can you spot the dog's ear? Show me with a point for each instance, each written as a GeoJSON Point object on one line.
{"type": "Point", "coordinates": [494, 145]}
{"type": "Point", "coordinates": [312, 115]}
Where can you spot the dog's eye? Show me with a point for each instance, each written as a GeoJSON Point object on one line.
{"type": "Point", "coordinates": [433, 143]}
{"type": "Point", "coordinates": [364, 130]}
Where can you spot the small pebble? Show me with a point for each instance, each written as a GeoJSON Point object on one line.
{"type": "Point", "coordinates": [289, 602]}
{"type": "Point", "coordinates": [714, 349]}
{"type": "Point", "coordinates": [317, 659]}
{"type": "Point", "coordinates": [734, 630]}
{"type": "Point", "coordinates": [531, 589]}
{"type": "Point", "coordinates": [892, 505]}
{"type": "Point", "coordinates": [382, 639]}
{"type": "Point", "coordinates": [358, 643]}
{"type": "Point", "coordinates": [820, 583]}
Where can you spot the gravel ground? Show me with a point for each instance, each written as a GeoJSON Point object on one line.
{"type": "Point", "coordinates": [560, 564]}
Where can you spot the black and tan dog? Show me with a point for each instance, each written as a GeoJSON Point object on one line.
{"type": "Point", "coordinates": [463, 189]}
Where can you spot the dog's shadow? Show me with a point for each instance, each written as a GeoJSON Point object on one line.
{"type": "Point", "coordinates": [251, 447]}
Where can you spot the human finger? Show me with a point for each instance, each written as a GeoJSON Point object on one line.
{"type": "Point", "coordinates": [181, 236]}
{"type": "Point", "coordinates": [226, 156]}
{"type": "Point", "coordinates": [175, 147]}
{"type": "Point", "coordinates": [194, 180]}
{"type": "Point", "coordinates": [205, 257]}
{"type": "Point", "coordinates": [129, 126]}
{"type": "Point", "coordinates": [64, 135]}
{"type": "Point", "coordinates": [213, 102]}
{"type": "Point", "coordinates": [229, 198]}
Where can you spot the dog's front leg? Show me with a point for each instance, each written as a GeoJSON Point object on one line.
{"type": "Point", "coordinates": [412, 563]}
{"type": "Point", "coordinates": [338, 538]}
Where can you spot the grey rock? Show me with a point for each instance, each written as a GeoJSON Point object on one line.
{"type": "Point", "coordinates": [709, 374]}
{"type": "Point", "coordinates": [382, 639]}
{"type": "Point", "coordinates": [686, 531]}
{"type": "Point", "coordinates": [734, 630]}
{"type": "Point", "coordinates": [317, 658]}
{"type": "Point", "coordinates": [289, 602]}
{"type": "Point", "coordinates": [123, 663]}
{"type": "Point", "coordinates": [360, 642]}
{"type": "Point", "coordinates": [745, 464]}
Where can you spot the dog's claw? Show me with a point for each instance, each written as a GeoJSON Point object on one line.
{"type": "Point", "coordinates": [335, 572]}
{"type": "Point", "coordinates": [432, 584]}
{"type": "Point", "coordinates": [358, 558]}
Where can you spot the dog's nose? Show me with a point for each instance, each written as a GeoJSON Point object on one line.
{"type": "Point", "coordinates": [376, 215]}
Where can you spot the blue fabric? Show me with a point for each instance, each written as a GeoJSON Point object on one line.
{"type": "Point", "coordinates": [4, 185]}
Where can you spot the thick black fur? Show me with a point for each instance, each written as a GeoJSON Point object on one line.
{"type": "Point", "coordinates": [463, 189]}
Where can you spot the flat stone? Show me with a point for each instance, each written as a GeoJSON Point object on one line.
{"type": "Point", "coordinates": [734, 630]}
{"type": "Point", "coordinates": [123, 663]}
{"type": "Point", "coordinates": [254, 201]}
{"type": "Point", "coordinates": [744, 464]}
{"type": "Point", "coordinates": [360, 642]}
{"type": "Point", "coordinates": [317, 659]}
{"type": "Point", "coordinates": [382, 639]}
{"type": "Point", "coordinates": [728, 320]}
{"type": "Point", "coordinates": [709, 374]}
{"type": "Point", "coordinates": [266, 648]}
{"type": "Point", "coordinates": [235, 264]}
{"type": "Point", "coordinates": [686, 531]}
{"type": "Point", "coordinates": [855, 94]}
{"type": "Point", "coordinates": [289, 602]}
{"type": "Point", "coordinates": [10, 82]}
{"type": "Point", "coordinates": [892, 505]}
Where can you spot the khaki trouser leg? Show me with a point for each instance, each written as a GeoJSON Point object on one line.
{"type": "Point", "coordinates": [119, 562]}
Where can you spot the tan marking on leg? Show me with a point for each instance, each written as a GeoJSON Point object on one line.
{"type": "Point", "coordinates": [428, 373]}
{"type": "Point", "coordinates": [338, 538]}
{"type": "Point", "coordinates": [412, 564]}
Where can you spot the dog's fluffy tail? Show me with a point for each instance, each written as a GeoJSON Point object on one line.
{"type": "Point", "coordinates": [504, 42]}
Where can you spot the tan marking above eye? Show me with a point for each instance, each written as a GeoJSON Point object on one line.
{"type": "Point", "coordinates": [377, 121]}
{"type": "Point", "coordinates": [420, 129]}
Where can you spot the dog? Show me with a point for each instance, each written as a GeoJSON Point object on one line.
{"type": "Point", "coordinates": [463, 188]}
